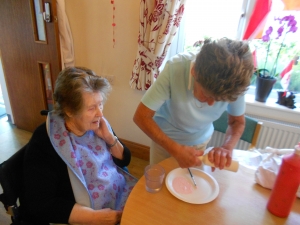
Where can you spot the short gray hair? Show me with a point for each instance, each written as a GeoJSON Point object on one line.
{"type": "Point", "coordinates": [71, 83]}
{"type": "Point", "coordinates": [224, 68]}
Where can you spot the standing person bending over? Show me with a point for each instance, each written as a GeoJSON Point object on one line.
{"type": "Point", "coordinates": [191, 92]}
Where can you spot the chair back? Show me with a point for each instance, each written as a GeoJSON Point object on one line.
{"type": "Point", "coordinates": [251, 132]}
{"type": "Point", "coordinates": [11, 176]}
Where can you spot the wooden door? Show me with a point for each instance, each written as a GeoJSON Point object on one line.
{"type": "Point", "coordinates": [30, 55]}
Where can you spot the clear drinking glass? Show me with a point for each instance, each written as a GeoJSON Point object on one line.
{"type": "Point", "coordinates": [154, 176]}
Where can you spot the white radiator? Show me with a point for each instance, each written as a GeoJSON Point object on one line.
{"type": "Point", "coordinates": [274, 133]}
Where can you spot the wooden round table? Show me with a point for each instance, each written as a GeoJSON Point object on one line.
{"type": "Point", "coordinates": [240, 201]}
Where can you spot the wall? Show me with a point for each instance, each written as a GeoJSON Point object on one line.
{"type": "Point", "coordinates": [90, 23]}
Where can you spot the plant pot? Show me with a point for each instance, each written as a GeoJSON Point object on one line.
{"type": "Point", "coordinates": [263, 88]}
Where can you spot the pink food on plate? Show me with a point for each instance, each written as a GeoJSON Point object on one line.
{"type": "Point", "coordinates": [182, 186]}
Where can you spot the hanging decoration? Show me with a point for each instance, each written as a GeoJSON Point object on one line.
{"type": "Point", "coordinates": [113, 22]}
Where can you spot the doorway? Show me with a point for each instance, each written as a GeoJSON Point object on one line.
{"type": "Point", "coordinates": [3, 111]}
{"type": "Point", "coordinates": [30, 53]}
{"type": "Point", "coordinates": [2, 106]}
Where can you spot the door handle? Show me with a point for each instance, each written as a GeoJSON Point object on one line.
{"type": "Point", "coordinates": [47, 14]}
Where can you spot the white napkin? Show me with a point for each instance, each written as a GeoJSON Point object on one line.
{"type": "Point", "coordinates": [268, 168]}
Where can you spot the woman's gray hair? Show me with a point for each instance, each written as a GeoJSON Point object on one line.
{"type": "Point", "coordinates": [71, 83]}
{"type": "Point", "coordinates": [224, 68]}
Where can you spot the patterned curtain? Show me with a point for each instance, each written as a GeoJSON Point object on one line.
{"type": "Point", "coordinates": [159, 22]}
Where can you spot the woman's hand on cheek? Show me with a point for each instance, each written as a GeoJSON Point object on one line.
{"type": "Point", "coordinates": [103, 132]}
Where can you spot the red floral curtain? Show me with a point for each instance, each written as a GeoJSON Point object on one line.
{"type": "Point", "coordinates": [159, 22]}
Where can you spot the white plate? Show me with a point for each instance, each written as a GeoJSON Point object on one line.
{"type": "Point", "coordinates": [207, 187]}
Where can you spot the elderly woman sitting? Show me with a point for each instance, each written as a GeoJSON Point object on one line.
{"type": "Point", "coordinates": [72, 163]}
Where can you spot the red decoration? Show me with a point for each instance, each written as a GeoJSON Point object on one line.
{"type": "Point", "coordinates": [113, 22]}
{"type": "Point", "coordinates": [257, 19]}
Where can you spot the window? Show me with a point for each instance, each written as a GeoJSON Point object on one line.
{"type": "Point", "coordinates": [211, 18]}
{"type": "Point", "coordinates": [282, 48]}
{"type": "Point", "coordinates": [227, 18]}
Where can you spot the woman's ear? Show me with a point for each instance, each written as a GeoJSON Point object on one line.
{"type": "Point", "coordinates": [68, 113]}
{"type": "Point", "coordinates": [193, 71]}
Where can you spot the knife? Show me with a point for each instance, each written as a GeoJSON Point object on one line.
{"type": "Point", "coordinates": [192, 177]}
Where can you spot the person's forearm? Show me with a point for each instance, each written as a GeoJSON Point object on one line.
{"type": "Point", "coordinates": [153, 131]}
{"type": "Point", "coordinates": [143, 118]}
{"type": "Point", "coordinates": [117, 150]}
{"type": "Point", "coordinates": [82, 215]}
{"type": "Point", "coordinates": [236, 126]}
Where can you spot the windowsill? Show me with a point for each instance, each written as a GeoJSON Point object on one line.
{"type": "Point", "coordinates": [271, 110]}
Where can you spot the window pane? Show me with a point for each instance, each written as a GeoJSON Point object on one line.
{"type": "Point", "coordinates": [39, 21]}
{"type": "Point", "coordinates": [219, 18]}
{"type": "Point", "coordinates": [46, 76]}
{"type": "Point", "coordinates": [283, 46]}
{"type": "Point", "coordinates": [211, 18]}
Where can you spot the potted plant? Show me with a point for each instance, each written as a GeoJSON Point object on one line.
{"type": "Point", "coordinates": [264, 84]}
{"type": "Point", "coordinates": [266, 78]}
